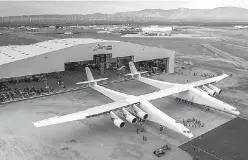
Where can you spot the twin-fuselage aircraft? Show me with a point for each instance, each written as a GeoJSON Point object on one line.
{"type": "Point", "coordinates": [139, 107]}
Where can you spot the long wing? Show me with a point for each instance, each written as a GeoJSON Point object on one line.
{"type": "Point", "coordinates": [180, 88]}
{"type": "Point", "coordinates": [91, 112]}
{"type": "Point", "coordinates": [208, 81]}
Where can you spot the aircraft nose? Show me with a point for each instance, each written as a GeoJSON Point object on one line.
{"type": "Point", "coordinates": [237, 113]}
{"type": "Point", "coordinates": [190, 135]}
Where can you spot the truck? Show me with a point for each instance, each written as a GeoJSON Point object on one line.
{"type": "Point", "coordinates": [161, 150]}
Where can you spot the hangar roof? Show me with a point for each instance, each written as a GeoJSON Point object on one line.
{"type": "Point", "coordinates": [17, 52]}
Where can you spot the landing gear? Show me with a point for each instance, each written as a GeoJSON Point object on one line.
{"type": "Point", "coordinates": [161, 128]}
{"type": "Point", "coordinates": [184, 101]}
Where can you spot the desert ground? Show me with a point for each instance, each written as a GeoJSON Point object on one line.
{"type": "Point", "coordinates": [98, 138]}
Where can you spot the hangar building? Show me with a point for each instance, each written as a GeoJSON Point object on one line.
{"type": "Point", "coordinates": [55, 55]}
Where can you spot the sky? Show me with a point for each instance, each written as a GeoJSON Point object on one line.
{"type": "Point", "coordinates": [17, 8]}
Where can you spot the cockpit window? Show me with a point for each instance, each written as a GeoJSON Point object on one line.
{"type": "Point", "coordinates": [186, 131]}
{"type": "Point", "coordinates": [176, 122]}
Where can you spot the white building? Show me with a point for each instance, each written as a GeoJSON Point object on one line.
{"type": "Point", "coordinates": [157, 31]}
{"type": "Point", "coordinates": [241, 27]}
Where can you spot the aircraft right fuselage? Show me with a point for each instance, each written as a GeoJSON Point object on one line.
{"type": "Point", "coordinates": [193, 94]}
{"type": "Point", "coordinates": [154, 114]}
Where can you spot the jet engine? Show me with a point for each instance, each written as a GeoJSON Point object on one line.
{"type": "Point", "coordinates": [209, 91]}
{"type": "Point", "coordinates": [129, 117]}
{"type": "Point", "coordinates": [141, 114]}
{"type": "Point", "coordinates": [217, 90]}
{"type": "Point", "coordinates": [117, 121]}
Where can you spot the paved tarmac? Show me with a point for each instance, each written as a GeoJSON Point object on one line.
{"type": "Point", "coordinates": [226, 142]}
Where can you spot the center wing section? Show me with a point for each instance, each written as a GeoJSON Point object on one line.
{"type": "Point", "coordinates": [88, 113]}
{"type": "Point", "coordinates": [163, 93]}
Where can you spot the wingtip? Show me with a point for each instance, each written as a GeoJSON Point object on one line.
{"type": "Point", "coordinates": [226, 75]}
{"type": "Point", "coordinates": [79, 83]}
{"type": "Point", "coordinates": [36, 124]}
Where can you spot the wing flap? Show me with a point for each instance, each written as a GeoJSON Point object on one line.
{"type": "Point", "coordinates": [91, 112]}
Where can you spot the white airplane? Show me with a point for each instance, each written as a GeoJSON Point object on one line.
{"type": "Point", "coordinates": [140, 106]}
{"type": "Point", "coordinates": [199, 92]}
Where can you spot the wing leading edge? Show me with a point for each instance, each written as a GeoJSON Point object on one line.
{"type": "Point", "coordinates": [106, 108]}
{"type": "Point", "coordinates": [208, 81]}
{"type": "Point", "coordinates": [91, 112]}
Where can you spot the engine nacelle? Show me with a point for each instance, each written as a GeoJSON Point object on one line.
{"type": "Point", "coordinates": [117, 121]}
{"type": "Point", "coordinates": [129, 117]}
{"type": "Point", "coordinates": [200, 89]}
{"type": "Point", "coordinates": [209, 91]}
{"type": "Point", "coordinates": [217, 90]}
{"type": "Point", "coordinates": [141, 114]}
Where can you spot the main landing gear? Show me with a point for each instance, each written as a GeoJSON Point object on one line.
{"type": "Point", "coordinates": [184, 101]}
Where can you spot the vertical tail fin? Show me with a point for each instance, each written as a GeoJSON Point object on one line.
{"type": "Point", "coordinates": [91, 81]}
{"type": "Point", "coordinates": [132, 68]}
{"type": "Point", "coordinates": [134, 73]}
{"type": "Point", "coordinates": [89, 74]}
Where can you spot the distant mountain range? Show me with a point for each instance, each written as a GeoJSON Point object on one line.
{"type": "Point", "coordinates": [221, 14]}
{"type": "Point", "coordinates": [181, 14]}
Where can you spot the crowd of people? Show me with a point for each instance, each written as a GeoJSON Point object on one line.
{"type": "Point", "coordinates": [25, 87]}
{"type": "Point", "coordinates": [193, 122]}
{"type": "Point", "coordinates": [17, 94]}
{"type": "Point", "coordinates": [13, 89]}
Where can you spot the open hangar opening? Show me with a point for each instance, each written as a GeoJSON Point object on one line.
{"type": "Point", "coordinates": [105, 63]}
{"type": "Point", "coordinates": [110, 61]}
{"type": "Point", "coordinates": [104, 57]}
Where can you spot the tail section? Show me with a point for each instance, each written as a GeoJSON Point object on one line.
{"type": "Point", "coordinates": [89, 74]}
{"type": "Point", "coordinates": [134, 73]}
{"type": "Point", "coordinates": [132, 67]}
{"type": "Point", "coordinates": [91, 81]}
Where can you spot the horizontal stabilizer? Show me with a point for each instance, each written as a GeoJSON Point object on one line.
{"type": "Point", "coordinates": [137, 73]}
{"type": "Point", "coordinates": [92, 81]}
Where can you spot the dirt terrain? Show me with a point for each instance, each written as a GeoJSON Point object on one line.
{"type": "Point", "coordinates": [98, 138]}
